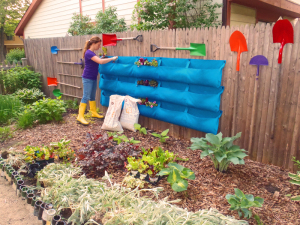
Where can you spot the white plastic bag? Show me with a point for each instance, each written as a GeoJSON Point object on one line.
{"type": "Point", "coordinates": [130, 113]}
{"type": "Point", "coordinates": [111, 121]}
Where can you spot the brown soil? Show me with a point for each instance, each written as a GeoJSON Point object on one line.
{"type": "Point", "coordinates": [209, 188]}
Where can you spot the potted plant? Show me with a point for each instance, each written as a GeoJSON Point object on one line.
{"type": "Point", "coordinates": [63, 150]}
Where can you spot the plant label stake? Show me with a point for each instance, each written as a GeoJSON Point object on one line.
{"type": "Point", "coordinates": [238, 44]}
{"type": "Point", "coordinates": [52, 81]}
{"type": "Point", "coordinates": [195, 49]}
{"type": "Point", "coordinates": [55, 49]}
{"type": "Point", "coordinates": [258, 60]}
{"type": "Point", "coordinates": [283, 33]}
{"type": "Point", "coordinates": [74, 63]}
{"type": "Point", "coordinates": [111, 39]}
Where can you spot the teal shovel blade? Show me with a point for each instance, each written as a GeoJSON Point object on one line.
{"type": "Point", "coordinates": [57, 93]}
{"type": "Point", "coordinates": [195, 49]}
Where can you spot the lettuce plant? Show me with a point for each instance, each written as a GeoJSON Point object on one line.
{"type": "Point", "coordinates": [221, 150]}
{"type": "Point", "coordinates": [295, 180]}
{"type": "Point", "coordinates": [177, 176]}
{"type": "Point", "coordinates": [241, 202]}
{"type": "Point", "coordinates": [141, 129]}
{"type": "Point", "coordinates": [163, 136]}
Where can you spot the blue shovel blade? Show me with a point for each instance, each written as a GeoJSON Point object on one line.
{"type": "Point", "coordinates": [54, 49]}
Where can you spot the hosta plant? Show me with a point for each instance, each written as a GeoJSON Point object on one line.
{"type": "Point", "coordinates": [241, 202]}
{"type": "Point", "coordinates": [29, 96]}
{"type": "Point", "coordinates": [141, 129]}
{"type": "Point", "coordinates": [295, 180]}
{"type": "Point", "coordinates": [177, 176]}
{"type": "Point", "coordinates": [163, 136]}
{"type": "Point", "coordinates": [220, 150]}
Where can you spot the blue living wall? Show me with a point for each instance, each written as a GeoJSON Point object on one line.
{"type": "Point", "coordinates": [188, 92]}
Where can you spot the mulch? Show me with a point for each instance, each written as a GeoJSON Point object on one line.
{"type": "Point", "coordinates": [209, 188]}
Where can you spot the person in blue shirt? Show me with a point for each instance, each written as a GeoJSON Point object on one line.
{"type": "Point", "coordinates": [89, 77]}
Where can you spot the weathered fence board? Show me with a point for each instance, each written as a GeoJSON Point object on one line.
{"type": "Point", "coordinates": [253, 120]}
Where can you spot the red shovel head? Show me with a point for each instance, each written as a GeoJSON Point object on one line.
{"type": "Point", "coordinates": [110, 39]}
{"type": "Point", "coordinates": [283, 32]}
{"type": "Point", "coordinates": [52, 81]}
{"type": "Point", "coordinates": [238, 44]}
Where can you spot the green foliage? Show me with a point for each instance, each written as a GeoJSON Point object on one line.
{"type": "Point", "coordinates": [297, 162]}
{"type": "Point", "coordinates": [48, 109]}
{"type": "Point", "coordinates": [29, 96]}
{"type": "Point", "coordinates": [141, 129]}
{"type": "Point", "coordinates": [19, 78]}
{"type": "Point", "coordinates": [295, 180]}
{"type": "Point", "coordinates": [10, 106]}
{"type": "Point", "coordinates": [162, 14]}
{"type": "Point", "coordinates": [124, 138]}
{"type": "Point", "coordinates": [5, 133]}
{"type": "Point", "coordinates": [26, 119]}
{"type": "Point", "coordinates": [108, 22]}
{"type": "Point", "coordinates": [36, 153]}
{"type": "Point", "coordinates": [62, 149]}
{"type": "Point", "coordinates": [163, 136]}
{"type": "Point", "coordinates": [220, 150]}
{"type": "Point", "coordinates": [177, 176]}
{"type": "Point", "coordinates": [257, 219]}
{"type": "Point", "coordinates": [72, 104]}
{"type": "Point", "coordinates": [152, 161]}
{"type": "Point", "coordinates": [241, 202]}
{"type": "Point", "coordinates": [80, 25]}
{"type": "Point", "coordinates": [15, 55]}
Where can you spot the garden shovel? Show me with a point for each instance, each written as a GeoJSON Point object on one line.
{"type": "Point", "coordinates": [283, 33]}
{"type": "Point", "coordinates": [195, 49]}
{"type": "Point", "coordinates": [258, 60]}
{"type": "Point", "coordinates": [111, 39]}
{"type": "Point", "coordinates": [52, 81]}
{"type": "Point", "coordinates": [238, 44]}
{"type": "Point", "coordinates": [57, 93]}
{"type": "Point", "coordinates": [55, 49]}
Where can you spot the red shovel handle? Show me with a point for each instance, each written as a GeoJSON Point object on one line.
{"type": "Point", "coordinates": [238, 59]}
{"type": "Point", "coordinates": [280, 51]}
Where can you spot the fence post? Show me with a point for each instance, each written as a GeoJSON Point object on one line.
{"type": "Point", "coordinates": [24, 62]}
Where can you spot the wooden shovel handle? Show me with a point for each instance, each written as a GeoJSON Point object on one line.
{"type": "Point", "coordinates": [70, 49]}
{"type": "Point", "coordinates": [70, 85]}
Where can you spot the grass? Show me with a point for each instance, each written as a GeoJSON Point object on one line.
{"type": "Point", "coordinates": [26, 119]}
{"type": "Point", "coordinates": [5, 133]}
{"type": "Point", "coordinates": [9, 108]}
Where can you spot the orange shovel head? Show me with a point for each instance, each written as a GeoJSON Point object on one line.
{"type": "Point", "coordinates": [238, 44]}
{"type": "Point", "coordinates": [52, 81]}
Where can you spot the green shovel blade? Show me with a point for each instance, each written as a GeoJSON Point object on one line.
{"type": "Point", "coordinates": [57, 93]}
{"type": "Point", "coordinates": [195, 49]}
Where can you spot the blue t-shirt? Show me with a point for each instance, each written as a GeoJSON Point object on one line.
{"type": "Point", "coordinates": [91, 68]}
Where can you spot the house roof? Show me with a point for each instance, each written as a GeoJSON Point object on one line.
{"type": "Point", "coordinates": [26, 17]}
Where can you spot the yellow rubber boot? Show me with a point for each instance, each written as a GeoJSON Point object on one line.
{"type": "Point", "coordinates": [81, 112]}
{"type": "Point", "coordinates": [93, 109]}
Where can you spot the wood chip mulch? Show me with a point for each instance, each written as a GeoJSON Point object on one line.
{"type": "Point", "coordinates": [209, 188]}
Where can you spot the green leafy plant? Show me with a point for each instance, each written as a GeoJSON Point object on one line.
{"type": "Point", "coordinates": [104, 50]}
{"type": "Point", "coordinates": [136, 164]}
{"type": "Point", "coordinates": [154, 15]}
{"type": "Point", "coordinates": [62, 149]}
{"type": "Point", "coordinates": [80, 25]}
{"type": "Point", "coordinates": [10, 106]}
{"type": "Point", "coordinates": [145, 62]}
{"type": "Point", "coordinates": [163, 136]}
{"type": "Point", "coordinates": [141, 129]}
{"type": "Point", "coordinates": [26, 118]}
{"type": "Point", "coordinates": [5, 133]}
{"type": "Point", "coordinates": [37, 153]}
{"type": "Point", "coordinates": [295, 180]}
{"type": "Point", "coordinates": [19, 78]}
{"type": "Point", "coordinates": [29, 96]}
{"type": "Point", "coordinates": [241, 202]}
{"type": "Point", "coordinates": [297, 162]}
{"type": "Point", "coordinates": [48, 109]}
{"type": "Point", "coordinates": [124, 138]}
{"type": "Point", "coordinates": [177, 176]}
{"type": "Point", "coordinates": [132, 182]}
{"type": "Point", "coordinates": [15, 55]}
{"type": "Point", "coordinates": [221, 150]}
{"type": "Point", "coordinates": [146, 102]}
{"type": "Point", "coordinates": [114, 134]}
{"type": "Point", "coordinates": [72, 104]}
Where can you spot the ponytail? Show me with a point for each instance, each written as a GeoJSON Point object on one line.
{"type": "Point", "coordinates": [88, 44]}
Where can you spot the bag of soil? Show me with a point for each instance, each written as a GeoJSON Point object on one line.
{"type": "Point", "coordinates": [111, 121]}
{"type": "Point", "coordinates": [130, 113]}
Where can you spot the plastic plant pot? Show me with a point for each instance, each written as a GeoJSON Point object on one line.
{"type": "Point", "coordinates": [10, 172]}
{"type": "Point", "coordinates": [61, 223]}
{"type": "Point", "coordinates": [45, 215]}
{"type": "Point", "coordinates": [49, 216]}
{"type": "Point", "coordinates": [2, 164]}
{"type": "Point", "coordinates": [56, 219]}
{"type": "Point", "coordinates": [29, 198]}
{"type": "Point", "coordinates": [24, 192]}
{"type": "Point", "coordinates": [37, 207]}
{"type": "Point", "coordinates": [1, 159]}
{"type": "Point", "coordinates": [41, 210]}
{"type": "Point", "coordinates": [33, 201]}
{"type": "Point", "coordinates": [19, 184]}
{"type": "Point", "coordinates": [14, 174]}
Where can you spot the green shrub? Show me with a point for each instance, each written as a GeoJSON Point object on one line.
{"type": "Point", "coordinates": [48, 109]}
{"type": "Point", "coordinates": [220, 150]}
{"type": "Point", "coordinates": [15, 55]}
{"type": "Point", "coordinates": [72, 104]}
{"type": "Point", "coordinates": [28, 96]}
{"type": "Point", "coordinates": [19, 78]}
{"type": "Point", "coordinates": [241, 202]}
{"type": "Point", "coordinates": [10, 106]}
{"type": "Point", "coordinates": [5, 133]}
{"type": "Point", "coordinates": [26, 119]}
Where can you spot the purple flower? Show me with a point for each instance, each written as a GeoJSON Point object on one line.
{"type": "Point", "coordinates": [154, 102]}
{"type": "Point", "coordinates": [142, 61]}
{"type": "Point", "coordinates": [151, 106]}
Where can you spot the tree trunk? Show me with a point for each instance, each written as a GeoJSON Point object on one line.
{"type": "Point", "coordinates": [2, 44]}
{"type": "Point", "coordinates": [172, 17]}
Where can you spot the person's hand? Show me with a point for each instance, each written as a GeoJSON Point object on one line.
{"type": "Point", "coordinates": [114, 58]}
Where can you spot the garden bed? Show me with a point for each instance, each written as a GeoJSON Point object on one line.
{"type": "Point", "coordinates": [209, 188]}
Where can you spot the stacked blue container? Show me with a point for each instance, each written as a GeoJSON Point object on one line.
{"type": "Point", "coordinates": [188, 92]}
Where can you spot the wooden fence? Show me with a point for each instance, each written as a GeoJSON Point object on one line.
{"type": "Point", "coordinates": [262, 143]}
